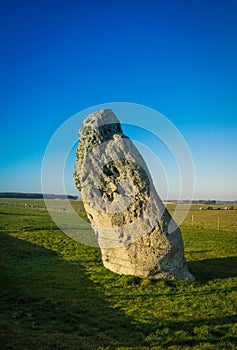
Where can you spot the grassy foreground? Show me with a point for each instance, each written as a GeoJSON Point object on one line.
{"type": "Point", "coordinates": [56, 294]}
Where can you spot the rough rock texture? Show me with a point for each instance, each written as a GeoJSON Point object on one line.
{"type": "Point", "coordinates": [135, 232]}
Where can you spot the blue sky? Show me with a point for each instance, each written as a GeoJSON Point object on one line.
{"type": "Point", "coordinates": [61, 57]}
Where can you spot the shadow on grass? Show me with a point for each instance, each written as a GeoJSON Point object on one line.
{"type": "Point", "coordinates": [216, 268]}
{"type": "Point", "coordinates": [47, 302]}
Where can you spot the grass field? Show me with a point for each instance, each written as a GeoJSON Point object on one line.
{"type": "Point", "coordinates": [56, 294]}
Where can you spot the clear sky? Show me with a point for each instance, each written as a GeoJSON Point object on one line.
{"type": "Point", "coordinates": [178, 57]}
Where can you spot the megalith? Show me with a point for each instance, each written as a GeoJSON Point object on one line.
{"type": "Point", "coordinates": [135, 232]}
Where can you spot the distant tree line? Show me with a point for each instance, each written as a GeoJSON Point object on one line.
{"type": "Point", "coordinates": [213, 202]}
{"type": "Point", "coordinates": [203, 201]}
{"type": "Point", "coordinates": [35, 195]}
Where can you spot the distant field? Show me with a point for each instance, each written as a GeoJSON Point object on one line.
{"type": "Point", "coordinates": [198, 218]}
{"type": "Point", "coordinates": [55, 292]}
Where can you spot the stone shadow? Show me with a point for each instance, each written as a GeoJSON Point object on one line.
{"type": "Point", "coordinates": [215, 268]}
{"type": "Point", "coordinates": [49, 298]}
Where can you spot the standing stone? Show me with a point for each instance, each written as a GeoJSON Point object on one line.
{"type": "Point", "coordinates": [135, 232]}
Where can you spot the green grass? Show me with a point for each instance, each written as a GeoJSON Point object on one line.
{"type": "Point", "coordinates": [56, 294]}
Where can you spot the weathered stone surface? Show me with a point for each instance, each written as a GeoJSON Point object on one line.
{"type": "Point", "coordinates": [136, 234]}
